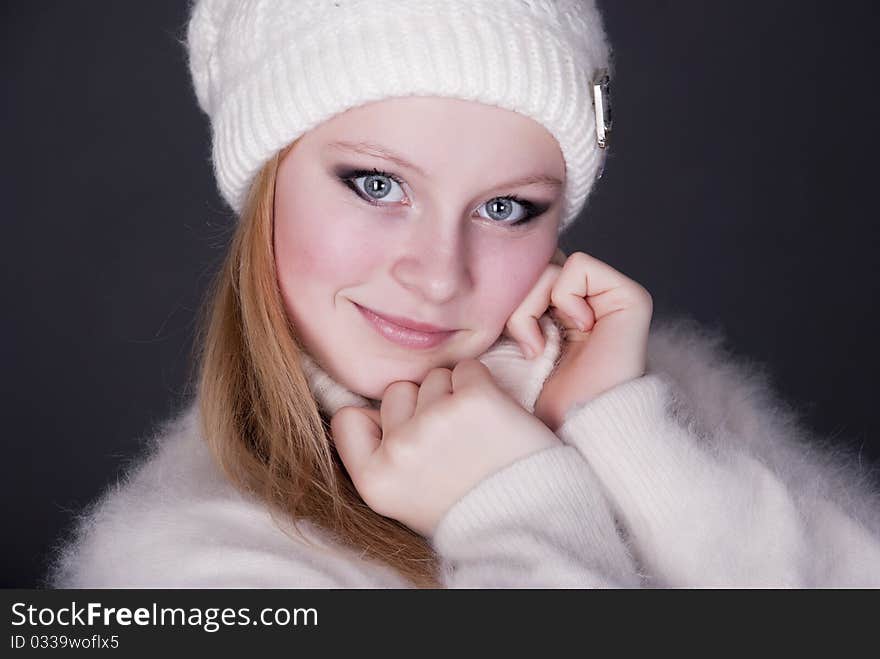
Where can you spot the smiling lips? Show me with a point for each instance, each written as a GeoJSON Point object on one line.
{"type": "Point", "coordinates": [413, 335]}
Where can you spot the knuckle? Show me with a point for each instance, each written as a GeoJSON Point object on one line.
{"type": "Point", "coordinates": [375, 490]}
{"type": "Point", "coordinates": [464, 364]}
{"type": "Point", "coordinates": [439, 413]}
{"type": "Point", "coordinates": [401, 385]}
{"type": "Point", "coordinates": [631, 295]}
{"type": "Point", "coordinates": [436, 377]}
{"type": "Point", "coordinates": [339, 420]}
{"type": "Point", "coordinates": [556, 295]}
{"type": "Point", "coordinates": [476, 400]}
{"type": "Point", "coordinates": [398, 388]}
{"type": "Point", "coordinates": [642, 295]}
{"type": "Point", "coordinates": [401, 453]}
{"type": "Point", "coordinates": [380, 483]}
{"type": "Point", "coordinates": [468, 367]}
{"type": "Point", "coordinates": [439, 372]}
{"type": "Point", "coordinates": [578, 259]}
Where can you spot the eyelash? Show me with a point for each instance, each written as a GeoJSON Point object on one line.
{"type": "Point", "coordinates": [347, 177]}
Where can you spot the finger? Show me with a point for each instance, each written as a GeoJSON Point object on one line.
{"type": "Point", "coordinates": [571, 332]}
{"type": "Point", "coordinates": [357, 435]}
{"type": "Point", "coordinates": [398, 404]}
{"type": "Point", "coordinates": [608, 290]}
{"type": "Point", "coordinates": [523, 325]}
{"type": "Point", "coordinates": [575, 335]}
{"type": "Point", "coordinates": [437, 384]}
{"type": "Point", "coordinates": [568, 293]}
{"type": "Point", "coordinates": [566, 321]}
{"type": "Point", "coordinates": [470, 373]}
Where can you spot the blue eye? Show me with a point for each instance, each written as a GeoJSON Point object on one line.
{"type": "Point", "coordinates": [374, 186]}
{"type": "Point", "coordinates": [502, 208]}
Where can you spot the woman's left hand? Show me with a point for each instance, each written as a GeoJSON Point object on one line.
{"type": "Point", "coordinates": [607, 317]}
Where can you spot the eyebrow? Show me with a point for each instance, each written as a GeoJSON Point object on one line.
{"type": "Point", "coordinates": [379, 151]}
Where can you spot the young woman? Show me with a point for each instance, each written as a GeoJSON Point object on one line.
{"type": "Point", "coordinates": [404, 382]}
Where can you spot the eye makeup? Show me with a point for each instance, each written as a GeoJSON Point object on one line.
{"type": "Point", "coordinates": [348, 175]}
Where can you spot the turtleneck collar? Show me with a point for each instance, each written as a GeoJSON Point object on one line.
{"type": "Point", "coordinates": [522, 378]}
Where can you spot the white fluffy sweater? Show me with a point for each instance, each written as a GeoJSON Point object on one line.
{"type": "Point", "coordinates": [692, 475]}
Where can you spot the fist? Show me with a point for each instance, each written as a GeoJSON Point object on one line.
{"type": "Point", "coordinates": [607, 318]}
{"type": "Point", "coordinates": [428, 445]}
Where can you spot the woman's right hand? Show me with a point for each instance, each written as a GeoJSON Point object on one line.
{"type": "Point", "coordinates": [428, 445]}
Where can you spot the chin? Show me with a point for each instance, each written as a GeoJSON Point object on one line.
{"type": "Point", "coordinates": [381, 371]}
{"type": "Point", "coordinates": [371, 378]}
{"type": "Point", "coordinates": [373, 391]}
{"type": "Point", "coordinates": [386, 372]}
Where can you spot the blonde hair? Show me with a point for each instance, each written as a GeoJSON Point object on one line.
{"type": "Point", "coordinates": [258, 414]}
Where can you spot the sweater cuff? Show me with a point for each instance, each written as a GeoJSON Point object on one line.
{"type": "Point", "coordinates": [643, 457]}
{"type": "Point", "coordinates": [550, 494]}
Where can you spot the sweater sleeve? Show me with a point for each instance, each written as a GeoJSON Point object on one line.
{"type": "Point", "coordinates": [540, 522]}
{"type": "Point", "coordinates": [728, 509]}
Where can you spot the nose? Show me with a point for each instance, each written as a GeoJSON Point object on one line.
{"type": "Point", "coordinates": [433, 262]}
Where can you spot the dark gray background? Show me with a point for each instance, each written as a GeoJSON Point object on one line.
{"type": "Point", "coordinates": [741, 191]}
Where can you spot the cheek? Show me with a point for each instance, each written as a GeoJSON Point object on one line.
{"type": "Point", "coordinates": [508, 273]}
{"type": "Point", "coordinates": [318, 248]}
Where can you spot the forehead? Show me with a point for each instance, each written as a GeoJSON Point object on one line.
{"type": "Point", "coordinates": [438, 133]}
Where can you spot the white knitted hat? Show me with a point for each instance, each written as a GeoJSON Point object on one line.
{"type": "Point", "coordinates": [267, 71]}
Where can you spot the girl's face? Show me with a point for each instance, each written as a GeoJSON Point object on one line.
{"type": "Point", "coordinates": [413, 207]}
